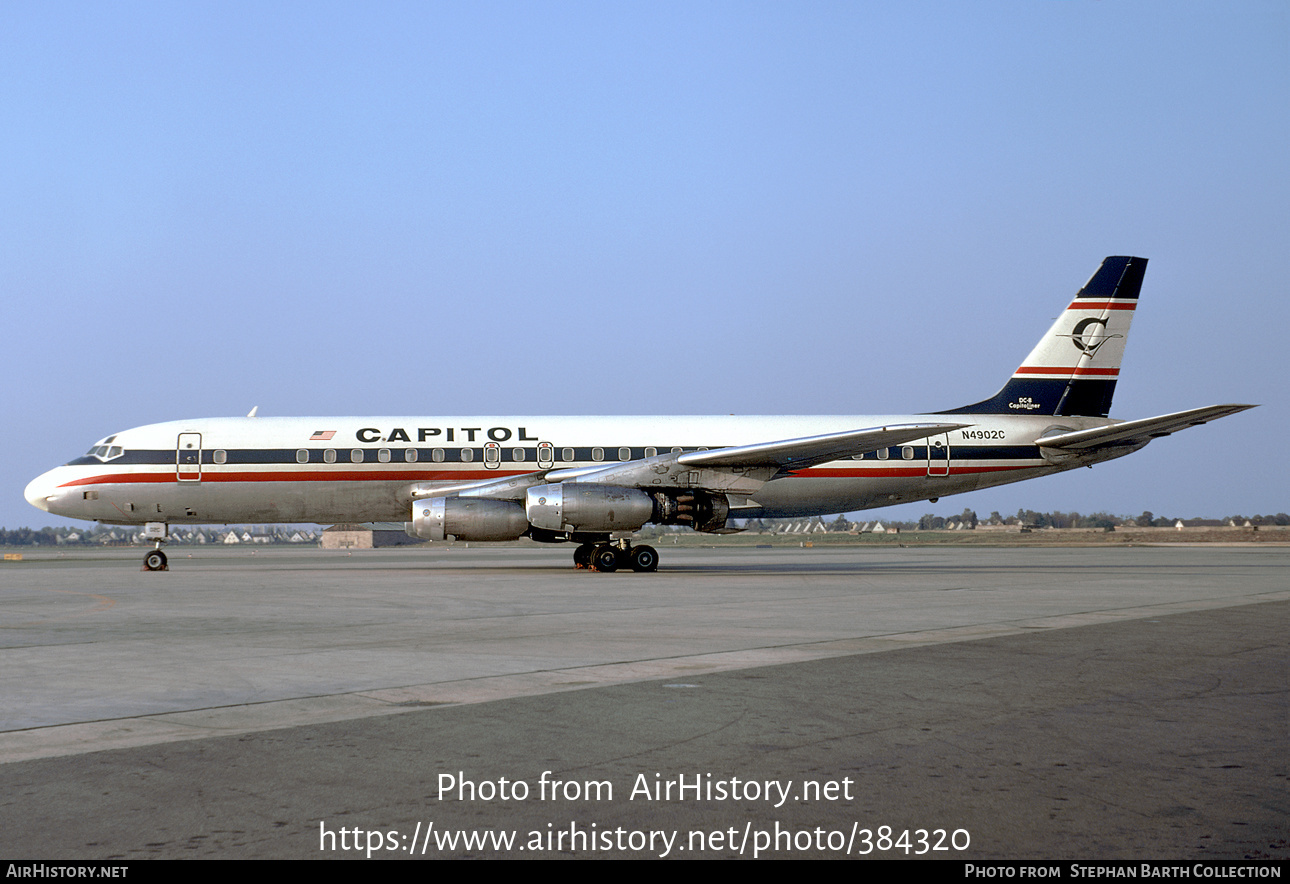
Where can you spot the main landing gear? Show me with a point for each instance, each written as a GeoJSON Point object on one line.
{"type": "Point", "coordinates": [615, 554]}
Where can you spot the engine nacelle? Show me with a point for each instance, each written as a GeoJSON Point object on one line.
{"type": "Point", "coordinates": [468, 518]}
{"type": "Point", "coordinates": [574, 506]}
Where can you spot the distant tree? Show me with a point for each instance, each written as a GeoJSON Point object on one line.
{"type": "Point", "coordinates": [1033, 519]}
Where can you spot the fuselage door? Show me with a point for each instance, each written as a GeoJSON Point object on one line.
{"type": "Point", "coordinates": [938, 455]}
{"type": "Point", "coordinates": [188, 457]}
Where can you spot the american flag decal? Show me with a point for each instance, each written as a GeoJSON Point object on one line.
{"type": "Point", "coordinates": [322, 436]}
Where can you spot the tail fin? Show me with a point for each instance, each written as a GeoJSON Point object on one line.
{"type": "Point", "coordinates": [1073, 369]}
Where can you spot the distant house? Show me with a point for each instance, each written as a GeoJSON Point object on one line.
{"type": "Point", "coordinates": [1198, 523]}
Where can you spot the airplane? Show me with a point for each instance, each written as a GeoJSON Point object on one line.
{"type": "Point", "coordinates": [593, 481]}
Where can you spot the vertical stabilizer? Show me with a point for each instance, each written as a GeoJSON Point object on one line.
{"type": "Point", "coordinates": [1073, 369]}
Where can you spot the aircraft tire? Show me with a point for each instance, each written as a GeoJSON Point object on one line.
{"type": "Point", "coordinates": [604, 558]}
{"type": "Point", "coordinates": [155, 561]}
{"type": "Point", "coordinates": [644, 558]}
{"type": "Point", "coordinates": [582, 555]}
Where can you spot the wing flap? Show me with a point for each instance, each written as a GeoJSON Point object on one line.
{"type": "Point", "coordinates": [1138, 431]}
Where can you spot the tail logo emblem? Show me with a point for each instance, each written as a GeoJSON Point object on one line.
{"type": "Point", "coordinates": [1089, 342]}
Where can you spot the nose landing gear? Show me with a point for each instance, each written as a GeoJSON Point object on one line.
{"type": "Point", "coordinates": [155, 560]}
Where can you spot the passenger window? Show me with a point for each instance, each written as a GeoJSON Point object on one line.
{"type": "Point", "coordinates": [907, 452]}
{"type": "Point", "coordinates": [566, 455]}
{"type": "Point", "coordinates": [624, 454]}
{"type": "Point", "coordinates": [437, 455]}
{"type": "Point", "coordinates": [356, 455]}
{"type": "Point", "coordinates": [220, 456]}
{"type": "Point", "coordinates": [467, 455]}
{"type": "Point", "coordinates": [329, 456]}
{"type": "Point", "coordinates": [492, 455]}
{"type": "Point", "coordinates": [302, 455]}
{"type": "Point", "coordinates": [410, 455]}
{"type": "Point", "coordinates": [517, 455]}
{"type": "Point", "coordinates": [884, 453]}
{"type": "Point", "coordinates": [676, 450]}
{"type": "Point", "coordinates": [383, 455]}
{"type": "Point", "coordinates": [651, 452]}
{"type": "Point", "coordinates": [597, 454]}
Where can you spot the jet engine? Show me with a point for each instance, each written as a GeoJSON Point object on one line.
{"type": "Point", "coordinates": [467, 518]}
{"type": "Point", "coordinates": [574, 506]}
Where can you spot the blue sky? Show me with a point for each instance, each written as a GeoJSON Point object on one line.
{"type": "Point", "coordinates": [675, 208]}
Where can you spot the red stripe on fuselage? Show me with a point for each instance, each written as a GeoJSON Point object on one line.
{"type": "Point", "coordinates": [902, 472]}
{"type": "Point", "coordinates": [471, 475]}
{"type": "Point", "coordinates": [299, 476]}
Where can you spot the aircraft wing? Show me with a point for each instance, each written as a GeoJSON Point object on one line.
{"type": "Point", "coordinates": [740, 469]}
{"type": "Point", "coordinates": [505, 488]}
{"type": "Point", "coordinates": [798, 454]}
{"type": "Point", "coordinates": [1139, 431]}
{"type": "Point", "coordinates": [743, 469]}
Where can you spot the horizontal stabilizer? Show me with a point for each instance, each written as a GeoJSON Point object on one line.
{"type": "Point", "coordinates": [1139, 431]}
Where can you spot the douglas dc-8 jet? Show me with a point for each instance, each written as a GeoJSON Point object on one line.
{"type": "Point", "coordinates": [594, 480]}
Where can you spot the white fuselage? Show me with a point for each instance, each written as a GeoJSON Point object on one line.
{"type": "Point", "coordinates": [364, 469]}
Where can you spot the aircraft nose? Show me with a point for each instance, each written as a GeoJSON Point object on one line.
{"type": "Point", "coordinates": [39, 490]}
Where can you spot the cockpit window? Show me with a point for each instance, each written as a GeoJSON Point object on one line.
{"type": "Point", "coordinates": [105, 452]}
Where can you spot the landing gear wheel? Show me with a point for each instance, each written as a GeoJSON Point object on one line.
{"type": "Point", "coordinates": [604, 558]}
{"type": "Point", "coordinates": [155, 561]}
{"type": "Point", "coordinates": [582, 556]}
{"type": "Point", "coordinates": [643, 558]}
